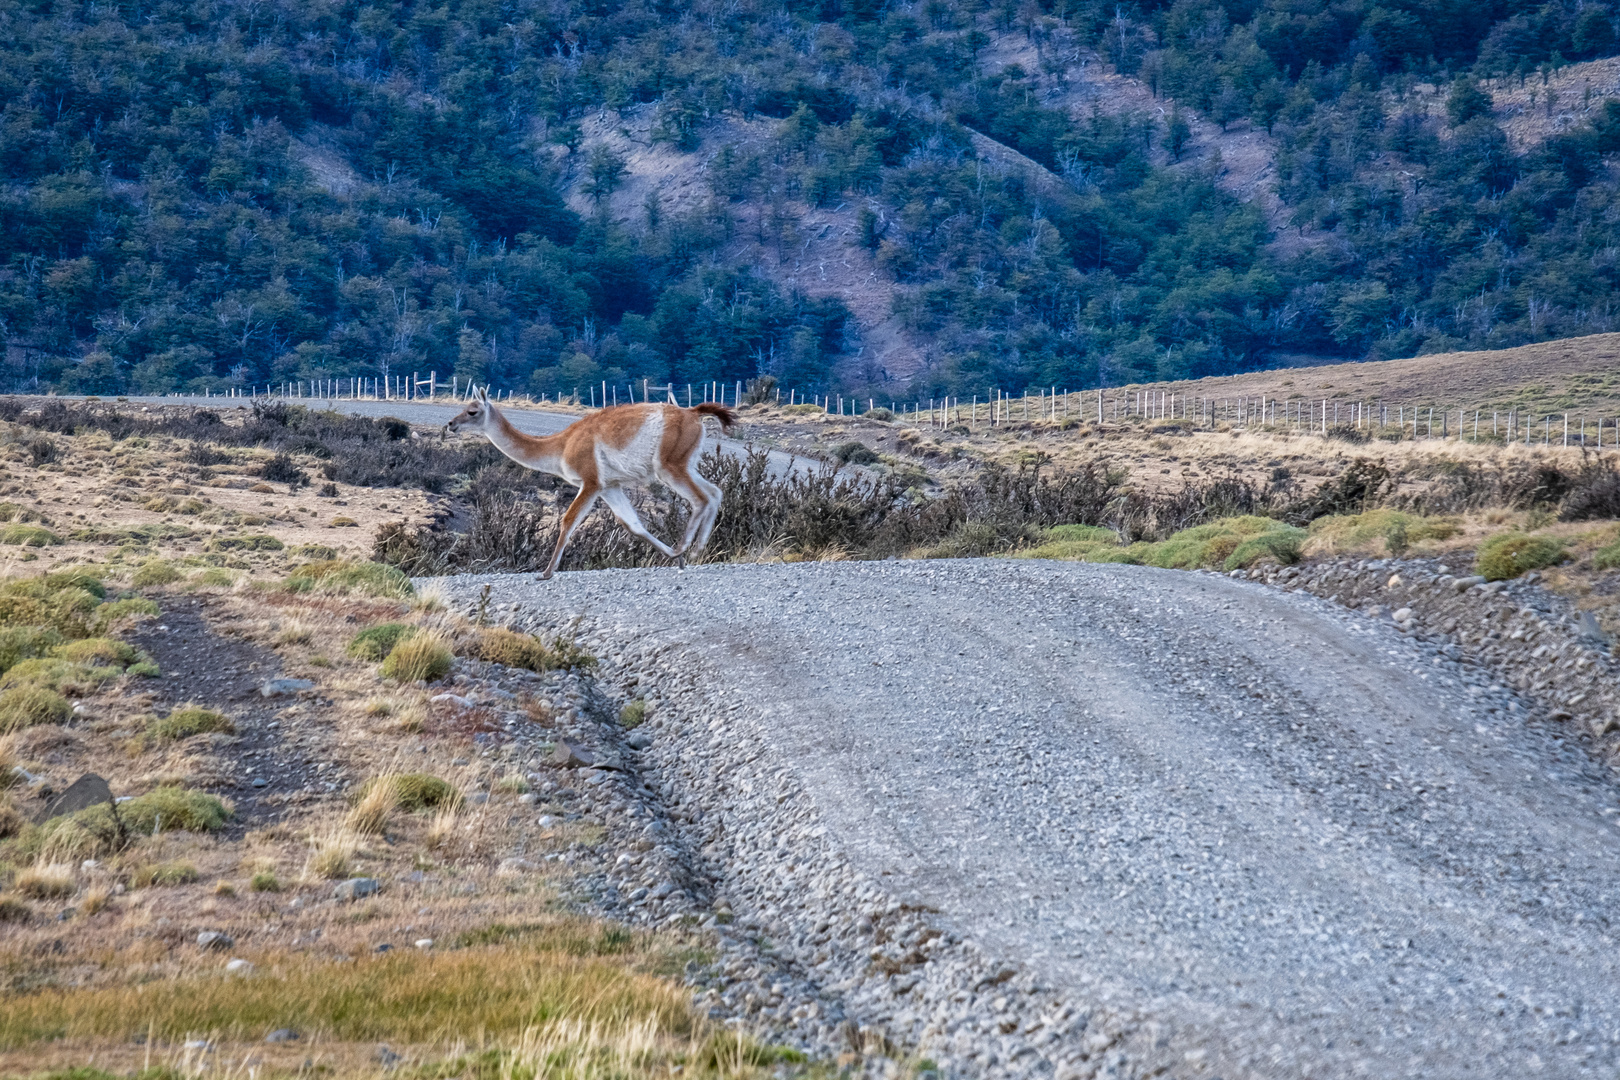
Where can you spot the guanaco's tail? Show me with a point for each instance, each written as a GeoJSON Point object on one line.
{"type": "Point", "coordinates": [726, 417]}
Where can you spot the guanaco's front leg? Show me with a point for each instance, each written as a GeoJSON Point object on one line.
{"type": "Point", "coordinates": [570, 521]}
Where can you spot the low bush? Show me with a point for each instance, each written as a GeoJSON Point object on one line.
{"type": "Point", "coordinates": [14, 911]}
{"type": "Point", "coordinates": [634, 714]}
{"type": "Point", "coordinates": [376, 642]}
{"type": "Point", "coordinates": [250, 542]}
{"type": "Point", "coordinates": [1507, 555]}
{"type": "Point", "coordinates": [27, 706]}
{"type": "Point", "coordinates": [340, 576]}
{"type": "Point", "coordinates": [184, 721]}
{"type": "Point", "coordinates": [422, 657]}
{"type": "Point", "coordinates": [854, 453]}
{"type": "Point", "coordinates": [265, 881]}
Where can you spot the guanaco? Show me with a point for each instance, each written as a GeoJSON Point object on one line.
{"type": "Point", "coordinates": [604, 451]}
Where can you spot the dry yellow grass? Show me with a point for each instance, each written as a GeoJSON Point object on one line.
{"type": "Point", "coordinates": [1573, 374]}
{"type": "Point", "coordinates": [46, 881]}
{"type": "Point", "coordinates": [330, 853]}
{"type": "Point", "coordinates": [369, 816]}
{"type": "Point", "coordinates": [554, 970]}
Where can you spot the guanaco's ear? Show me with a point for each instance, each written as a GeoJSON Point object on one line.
{"type": "Point", "coordinates": [483, 395]}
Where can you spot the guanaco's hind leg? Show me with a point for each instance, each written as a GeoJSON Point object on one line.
{"type": "Point", "coordinates": [623, 509]}
{"type": "Point", "coordinates": [704, 498]}
{"type": "Point", "coordinates": [570, 521]}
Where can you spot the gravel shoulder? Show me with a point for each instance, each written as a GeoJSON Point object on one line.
{"type": "Point", "coordinates": [1115, 821]}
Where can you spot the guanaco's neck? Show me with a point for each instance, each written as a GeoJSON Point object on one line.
{"type": "Point", "coordinates": [542, 452]}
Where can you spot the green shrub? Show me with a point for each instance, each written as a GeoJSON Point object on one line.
{"type": "Point", "coordinates": [415, 791]}
{"type": "Point", "coordinates": [264, 882]}
{"type": "Point", "coordinates": [1280, 545]}
{"type": "Point", "coordinates": [25, 642]}
{"type": "Point", "coordinates": [169, 873]}
{"type": "Point", "coordinates": [26, 706]}
{"type": "Point", "coordinates": [634, 713]}
{"type": "Point", "coordinates": [344, 577]}
{"type": "Point", "coordinates": [376, 642]}
{"type": "Point", "coordinates": [879, 414]}
{"type": "Point", "coordinates": [419, 658]}
{"type": "Point", "coordinates": [100, 651]}
{"type": "Point", "coordinates": [1607, 558]}
{"type": "Point", "coordinates": [28, 536]}
{"type": "Point", "coordinates": [1507, 555]}
{"type": "Point", "coordinates": [185, 721]}
{"type": "Point", "coordinates": [115, 611]}
{"type": "Point", "coordinates": [154, 572]}
{"type": "Point", "coordinates": [169, 808]}
{"type": "Point", "coordinates": [83, 580]}
{"type": "Point", "coordinates": [854, 453]}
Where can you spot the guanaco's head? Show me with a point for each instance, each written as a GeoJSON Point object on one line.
{"type": "Point", "coordinates": [476, 415]}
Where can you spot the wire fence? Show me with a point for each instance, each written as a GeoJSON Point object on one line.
{"type": "Point", "coordinates": [1328, 417]}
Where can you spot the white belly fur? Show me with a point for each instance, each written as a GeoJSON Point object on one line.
{"type": "Point", "coordinates": [637, 461]}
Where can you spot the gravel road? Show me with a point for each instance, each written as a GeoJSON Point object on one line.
{"type": "Point", "coordinates": [1283, 837]}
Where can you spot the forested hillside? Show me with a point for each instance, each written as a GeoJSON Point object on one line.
{"type": "Point", "coordinates": [207, 194]}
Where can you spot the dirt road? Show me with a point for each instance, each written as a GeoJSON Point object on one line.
{"type": "Point", "coordinates": [1285, 839]}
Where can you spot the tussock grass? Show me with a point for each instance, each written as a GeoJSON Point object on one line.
{"type": "Point", "coordinates": [28, 536]}
{"type": "Point", "coordinates": [369, 815]}
{"type": "Point", "coordinates": [214, 577]}
{"type": "Point", "coordinates": [438, 997]}
{"type": "Point", "coordinates": [422, 657]}
{"type": "Point", "coordinates": [1377, 533]}
{"type": "Point", "coordinates": [342, 577]}
{"type": "Point", "coordinates": [46, 881]}
{"type": "Point", "coordinates": [265, 881]}
{"type": "Point", "coordinates": [331, 854]}
{"type": "Point", "coordinates": [163, 875]}
{"type": "Point", "coordinates": [155, 572]}
{"type": "Point", "coordinates": [376, 642]}
{"type": "Point", "coordinates": [1507, 555]}
{"type": "Point", "coordinates": [1229, 544]}
{"type": "Point", "coordinates": [24, 643]}
{"type": "Point", "coordinates": [415, 792]}
{"type": "Point", "coordinates": [508, 647]}
{"type": "Point", "coordinates": [98, 651]}
{"type": "Point", "coordinates": [27, 706]}
{"type": "Point", "coordinates": [294, 632]}
{"type": "Point", "coordinates": [185, 721]}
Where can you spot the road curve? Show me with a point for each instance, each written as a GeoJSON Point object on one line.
{"type": "Point", "coordinates": [1301, 843]}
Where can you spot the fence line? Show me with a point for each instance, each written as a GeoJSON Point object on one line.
{"type": "Point", "coordinates": [1326, 417]}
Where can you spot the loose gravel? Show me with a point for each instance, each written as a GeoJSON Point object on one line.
{"type": "Point", "coordinates": [1026, 818]}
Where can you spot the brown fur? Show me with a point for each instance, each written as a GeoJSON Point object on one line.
{"type": "Point", "coordinates": [576, 454]}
